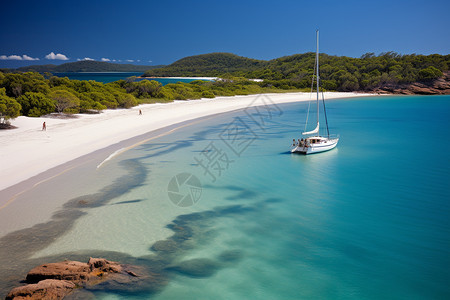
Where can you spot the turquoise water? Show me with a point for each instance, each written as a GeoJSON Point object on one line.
{"type": "Point", "coordinates": [106, 77]}
{"type": "Point", "coordinates": [368, 220]}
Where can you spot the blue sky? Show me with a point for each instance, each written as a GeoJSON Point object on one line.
{"type": "Point", "coordinates": [161, 32]}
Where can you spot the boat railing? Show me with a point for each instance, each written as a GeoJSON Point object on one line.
{"type": "Point", "coordinates": [333, 136]}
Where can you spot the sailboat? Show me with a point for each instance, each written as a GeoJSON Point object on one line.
{"type": "Point", "coordinates": [314, 142]}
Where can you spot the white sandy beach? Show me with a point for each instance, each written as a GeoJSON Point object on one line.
{"type": "Point", "coordinates": [28, 151]}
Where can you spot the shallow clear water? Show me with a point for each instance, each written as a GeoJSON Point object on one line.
{"type": "Point", "coordinates": [368, 220]}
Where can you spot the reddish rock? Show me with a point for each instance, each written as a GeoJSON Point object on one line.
{"type": "Point", "coordinates": [74, 271]}
{"type": "Point", "coordinates": [104, 265]}
{"type": "Point", "coordinates": [440, 86]}
{"type": "Point", "coordinates": [45, 289]}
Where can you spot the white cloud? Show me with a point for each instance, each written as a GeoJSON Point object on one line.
{"type": "Point", "coordinates": [88, 58]}
{"type": "Point", "coordinates": [130, 60]}
{"type": "Point", "coordinates": [56, 56]}
{"type": "Point", "coordinates": [26, 57]}
{"type": "Point", "coordinates": [149, 61]}
{"type": "Point", "coordinates": [105, 59]}
{"type": "Point", "coordinates": [17, 57]}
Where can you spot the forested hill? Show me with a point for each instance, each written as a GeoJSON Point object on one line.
{"type": "Point", "coordinates": [87, 66]}
{"type": "Point", "coordinates": [212, 64]}
{"type": "Point", "coordinates": [369, 72]}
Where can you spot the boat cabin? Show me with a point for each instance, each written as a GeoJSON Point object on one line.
{"type": "Point", "coordinates": [316, 140]}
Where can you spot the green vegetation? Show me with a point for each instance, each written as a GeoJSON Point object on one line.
{"type": "Point", "coordinates": [64, 100]}
{"type": "Point", "coordinates": [9, 107]}
{"type": "Point", "coordinates": [87, 66]}
{"type": "Point", "coordinates": [295, 71]}
{"type": "Point", "coordinates": [213, 64]}
{"type": "Point", "coordinates": [31, 94]}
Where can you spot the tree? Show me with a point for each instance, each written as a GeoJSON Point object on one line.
{"type": "Point", "coordinates": [367, 55]}
{"type": "Point", "coordinates": [145, 88]}
{"type": "Point", "coordinates": [18, 84]}
{"type": "Point", "coordinates": [126, 100]}
{"type": "Point", "coordinates": [36, 104]}
{"type": "Point", "coordinates": [9, 107]}
{"type": "Point", "coordinates": [429, 73]}
{"type": "Point", "coordinates": [208, 94]}
{"type": "Point", "coordinates": [64, 99]}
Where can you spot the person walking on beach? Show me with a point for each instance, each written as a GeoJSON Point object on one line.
{"type": "Point", "coordinates": [140, 112]}
{"type": "Point", "coordinates": [44, 127]}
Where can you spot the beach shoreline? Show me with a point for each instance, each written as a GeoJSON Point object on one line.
{"type": "Point", "coordinates": [28, 151]}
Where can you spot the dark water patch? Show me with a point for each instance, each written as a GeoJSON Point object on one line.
{"type": "Point", "coordinates": [158, 149]}
{"type": "Point", "coordinates": [128, 202]}
{"type": "Point", "coordinates": [243, 195]}
{"type": "Point", "coordinates": [234, 210]}
{"type": "Point", "coordinates": [197, 267]}
{"type": "Point", "coordinates": [191, 230]}
{"type": "Point", "coordinates": [167, 246]}
{"type": "Point", "coordinates": [210, 133]}
{"type": "Point", "coordinates": [17, 247]}
{"type": "Point", "coordinates": [135, 177]}
{"type": "Point", "coordinates": [231, 256]}
{"type": "Point", "coordinates": [274, 200]}
{"type": "Point", "coordinates": [225, 187]}
{"type": "Point", "coordinates": [167, 148]}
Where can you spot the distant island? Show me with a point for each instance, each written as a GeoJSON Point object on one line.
{"type": "Point", "coordinates": [87, 66]}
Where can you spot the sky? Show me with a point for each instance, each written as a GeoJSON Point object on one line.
{"type": "Point", "coordinates": [161, 32]}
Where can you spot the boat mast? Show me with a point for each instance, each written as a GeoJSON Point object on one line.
{"type": "Point", "coordinates": [316, 72]}
{"type": "Point", "coordinates": [317, 75]}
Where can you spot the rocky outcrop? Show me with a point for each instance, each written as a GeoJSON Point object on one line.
{"type": "Point", "coordinates": [74, 271]}
{"type": "Point", "coordinates": [56, 280]}
{"type": "Point", "coordinates": [440, 86]}
{"type": "Point", "coordinates": [45, 289]}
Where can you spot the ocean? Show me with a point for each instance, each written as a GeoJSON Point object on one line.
{"type": "Point", "coordinates": [106, 77]}
{"type": "Point", "coordinates": [220, 208]}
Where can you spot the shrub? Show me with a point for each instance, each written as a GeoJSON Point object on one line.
{"type": "Point", "coordinates": [36, 104]}
{"type": "Point", "coordinates": [208, 94]}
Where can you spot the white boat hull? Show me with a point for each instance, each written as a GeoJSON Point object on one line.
{"type": "Point", "coordinates": [316, 147]}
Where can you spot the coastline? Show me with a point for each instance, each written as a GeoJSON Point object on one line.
{"type": "Point", "coordinates": [27, 151]}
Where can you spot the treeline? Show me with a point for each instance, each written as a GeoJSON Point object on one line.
{"type": "Point", "coordinates": [337, 73]}
{"type": "Point", "coordinates": [87, 66]}
{"type": "Point", "coordinates": [212, 65]}
{"type": "Point", "coordinates": [352, 74]}
{"type": "Point", "coordinates": [31, 94]}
